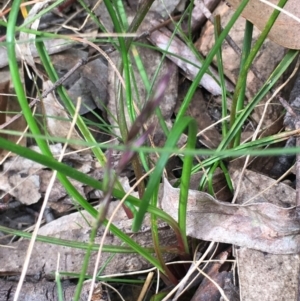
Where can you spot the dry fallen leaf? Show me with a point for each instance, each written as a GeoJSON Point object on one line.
{"type": "Point", "coordinates": [77, 227]}
{"type": "Point", "coordinates": [261, 226]}
{"type": "Point", "coordinates": [88, 82]}
{"type": "Point", "coordinates": [257, 188]}
{"type": "Point", "coordinates": [272, 275]}
{"type": "Point", "coordinates": [27, 50]}
{"type": "Point", "coordinates": [285, 31]}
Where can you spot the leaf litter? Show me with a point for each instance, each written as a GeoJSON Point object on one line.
{"type": "Point", "coordinates": [266, 224]}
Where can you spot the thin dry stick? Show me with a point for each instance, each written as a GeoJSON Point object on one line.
{"type": "Point", "coordinates": [39, 221]}
{"type": "Point", "coordinates": [102, 52]}
{"type": "Point", "coordinates": [215, 283]}
{"type": "Point", "coordinates": [145, 286]}
{"type": "Point", "coordinates": [60, 81]}
{"type": "Point", "coordinates": [183, 283]}
{"type": "Point", "coordinates": [114, 289]}
{"type": "Point", "coordinates": [64, 25]}
{"type": "Point", "coordinates": [190, 272]}
{"type": "Point", "coordinates": [15, 117]}
{"type": "Point", "coordinates": [185, 287]}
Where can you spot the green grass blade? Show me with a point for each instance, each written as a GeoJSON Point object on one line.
{"type": "Point", "coordinates": [242, 117]}
{"type": "Point", "coordinates": [245, 54]}
{"type": "Point", "coordinates": [85, 179]}
{"type": "Point", "coordinates": [60, 294]}
{"type": "Point", "coordinates": [185, 181]}
{"type": "Point", "coordinates": [80, 245]}
{"type": "Point", "coordinates": [174, 135]}
{"type": "Point", "coordinates": [222, 77]}
{"type": "Point", "coordinates": [71, 109]}
{"type": "Point", "coordinates": [208, 60]}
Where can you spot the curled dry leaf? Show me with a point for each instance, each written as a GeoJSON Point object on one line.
{"type": "Point", "coordinates": [285, 31]}
{"type": "Point", "coordinates": [263, 226]}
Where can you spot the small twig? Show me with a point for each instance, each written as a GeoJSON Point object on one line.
{"type": "Point", "coordinates": [80, 63]}
{"type": "Point", "coordinates": [159, 26]}
{"type": "Point", "coordinates": [288, 108]}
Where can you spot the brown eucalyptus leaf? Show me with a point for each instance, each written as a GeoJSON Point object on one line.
{"type": "Point", "coordinates": [285, 31]}
{"type": "Point", "coordinates": [261, 226]}
{"type": "Point", "coordinates": [258, 188]}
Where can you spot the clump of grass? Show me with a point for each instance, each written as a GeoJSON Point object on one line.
{"type": "Point", "coordinates": [133, 138]}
